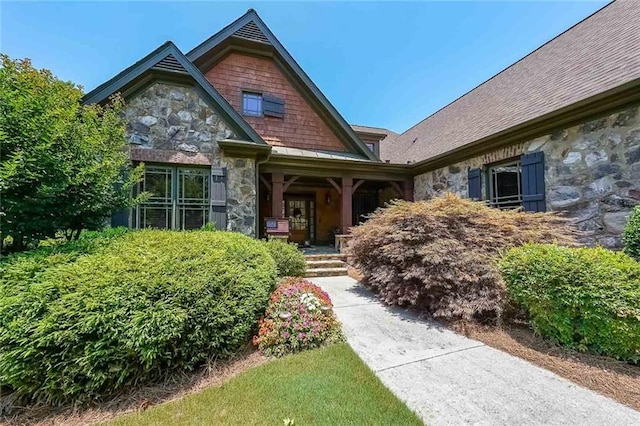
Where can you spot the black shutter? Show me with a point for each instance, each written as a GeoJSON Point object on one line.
{"type": "Point", "coordinates": [533, 182]}
{"type": "Point", "coordinates": [219, 197]}
{"type": "Point", "coordinates": [475, 184]}
{"type": "Point", "coordinates": [273, 106]}
{"type": "Point", "coordinates": [120, 218]}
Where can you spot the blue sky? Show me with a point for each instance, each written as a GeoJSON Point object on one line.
{"type": "Point", "coordinates": [380, 64]}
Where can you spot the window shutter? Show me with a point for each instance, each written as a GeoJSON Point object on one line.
{"type": "Point", "coordinates": [475, 184]}
{"type": "Point", "coordinates": [533, 182]}
{"type": "Point", "coordinates": [120, 218]}
{"type": "Point", "coordinates": [219, 197]}
{"type": "Point", "coordinates": [272, 106]}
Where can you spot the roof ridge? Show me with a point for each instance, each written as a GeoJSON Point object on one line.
{"type": "Point", "coordinates": [510, 66]}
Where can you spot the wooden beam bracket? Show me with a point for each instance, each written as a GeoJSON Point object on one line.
{"type": "Point", "coordinates": [266, 182]}
{"type": "Point", "coordinates": [358, 183]}
{"type": "Point", "coordinates": [335, 185]}
{"type": "Point", "coordinates": [289, 182]}
{"type": "Point", "coordinates": [395, 186]}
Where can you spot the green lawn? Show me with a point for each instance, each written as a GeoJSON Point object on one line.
{"type": "Point", "coordinates": [324, 386]}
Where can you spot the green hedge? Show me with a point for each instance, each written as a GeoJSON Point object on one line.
{"type": "Point", "coordinates": [583, 298]}
{"type": "Point", "coordinates": [631, 234]}
{"type": "Point", "coordinates": [127, 309]}
{"type": "Point", "coordinates": [290, 261]}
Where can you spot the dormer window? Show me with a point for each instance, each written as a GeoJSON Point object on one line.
{"type": "Point", "coordinates": [252, 103]}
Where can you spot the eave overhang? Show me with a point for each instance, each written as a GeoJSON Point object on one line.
{"type": "Point", "coordinates": [610, 101]}
{"type": "Point", "coordinates": [237, 148]}
{"type": "Point", "coordinates": [322, 167]}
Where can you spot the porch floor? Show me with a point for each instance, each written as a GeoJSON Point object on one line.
{"type": "Point", "coordinates": [314, 250]}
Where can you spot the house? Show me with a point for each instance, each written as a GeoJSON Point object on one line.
{"type": "Point", "coordinates": [235, 132]}
{"type": "Point", "coordinates": [559, 130]}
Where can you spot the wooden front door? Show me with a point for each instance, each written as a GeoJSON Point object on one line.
{"type": "Point", "coordinates": [301, 213]}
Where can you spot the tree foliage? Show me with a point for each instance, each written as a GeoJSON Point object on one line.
{"type": "Point", "coordinates": [63, 166]}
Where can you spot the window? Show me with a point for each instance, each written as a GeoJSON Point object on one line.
{"type": "Point", "coordinates": [371, 146]}
{"type": "Point", "coordinates": [505, 185]}
{"type": "Point", "coordinates": [179, 198]}
{"type": "Point", "coordinates": [251, 103]}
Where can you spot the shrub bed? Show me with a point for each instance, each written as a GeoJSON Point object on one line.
{"type": "Point", "coordinates": [584, 298]}
{"type": "Point", "coordinates": [299, 316]}
{"type": "Point", "coordinates": [143, 305]}
{"type": "Point", "coordinates": [631, 234]}
{"type": "Point", "coordinates": [290, 261]}
{"type": "Point", "coordinates": [439, 256]}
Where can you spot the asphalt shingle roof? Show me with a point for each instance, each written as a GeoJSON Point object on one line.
{"type": "Point", "coordinates": [372, 130]}
{"type": "Point", "coordinates": [598, 54]}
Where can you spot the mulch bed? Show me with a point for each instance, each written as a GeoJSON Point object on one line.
{"type": "Point", "coordinates": [213, 374]}
{"type": "Point", "coordinates": [615, 379]}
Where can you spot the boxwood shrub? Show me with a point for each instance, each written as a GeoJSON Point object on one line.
{"type": "Point", "coordinates": [131, 310]}
{"type": "Point", "coordinates": [631, 234]}
{"type": "Point", "coordinates": [584, 298]}
{"type": "Point", "coordinates": [290, 261]}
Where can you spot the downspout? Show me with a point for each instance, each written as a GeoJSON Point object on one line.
{"type": "Point", "coordinates": [257, 212]}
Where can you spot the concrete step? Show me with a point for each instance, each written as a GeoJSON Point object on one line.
{"type": "Point", "coordinates": [326, 272]}
{"type": "Point", "coordinates": [327, 263]}
{"type": "Point", "coordinates": [333, 256]}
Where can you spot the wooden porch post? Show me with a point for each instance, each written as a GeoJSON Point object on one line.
{"type": "Point", "coordinates": [407, 189]}
{"type": "Point", "coordinates": [277, 188]}
{"type": "Point", "coordinates": [347, 192]}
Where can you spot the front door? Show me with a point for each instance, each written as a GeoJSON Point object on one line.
{"type": "Point", "coordinates": [300, 210]}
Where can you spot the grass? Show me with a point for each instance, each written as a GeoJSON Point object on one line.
{"type": "Point", "coordinates": [330, 385]}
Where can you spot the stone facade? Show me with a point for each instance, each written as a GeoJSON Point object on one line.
{"type": "Point", "coordinates": [592, 173]}
{"type": "Point", "coordinates": [169, 123]}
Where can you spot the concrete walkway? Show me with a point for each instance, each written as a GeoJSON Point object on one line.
{"type": "Point", "coordinates": [449, 379]}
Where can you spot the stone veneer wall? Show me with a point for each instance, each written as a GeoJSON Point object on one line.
{"type": "Point", "coordinates": [592, 173]}
{"type": "Point", "coordinates": [169, 123]}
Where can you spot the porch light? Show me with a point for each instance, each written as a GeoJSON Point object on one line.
{"type": "Point", "coordinates": [327, 198]}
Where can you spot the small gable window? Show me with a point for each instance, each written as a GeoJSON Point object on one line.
{"type": "Point", "coordinates": [371, 146]}
{"type": "Point", "coordinates": [251, 103]}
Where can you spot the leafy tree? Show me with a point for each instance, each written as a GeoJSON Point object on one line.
{"type": "Point", "coordinates": [63, 166]}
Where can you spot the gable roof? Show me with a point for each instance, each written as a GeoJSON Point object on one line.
{"type": "Point", "coordinates": [598, 54]}
{"type": "Point", "coordinates": [168, 59]}
{"type": "Point", "coordinates": [251, 27]}
{"type": "Point", "coordinates": [373, 131]}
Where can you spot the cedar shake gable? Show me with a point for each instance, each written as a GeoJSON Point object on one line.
{"type": "Point", "coordinates": [245, 56]}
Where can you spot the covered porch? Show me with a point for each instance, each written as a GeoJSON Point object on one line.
{"type": "Point", "coordinates": [326, 198]}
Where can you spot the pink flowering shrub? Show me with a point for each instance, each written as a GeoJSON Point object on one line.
{"type": "Point", "coordinates": [299, 316]}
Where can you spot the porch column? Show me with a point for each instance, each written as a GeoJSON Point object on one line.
{"type": "Point", "coordinates": [277, 191]}
{"type": "Point", "coordinates": [347, 192]}
{"type": "Point", "coordinates": [407, 189]}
